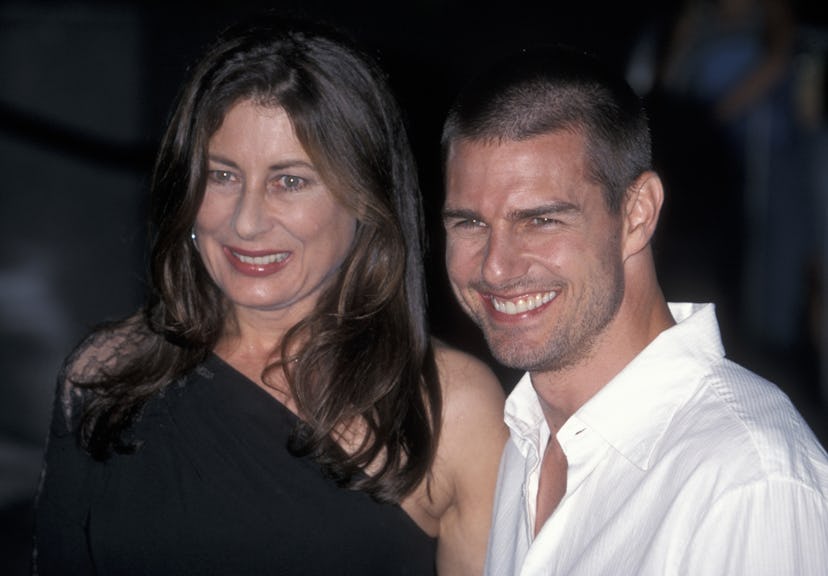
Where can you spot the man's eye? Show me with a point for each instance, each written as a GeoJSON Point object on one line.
{"type": "Point", "coordinates": [544, 221]}
{"type": "Point", "coordinates": [465, 225]}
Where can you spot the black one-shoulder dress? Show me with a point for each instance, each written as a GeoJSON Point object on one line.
{"type": "Point", "coordinates": [212, 489]}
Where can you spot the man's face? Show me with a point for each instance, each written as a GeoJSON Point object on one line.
{"type": "Point", "coordinates": [533, 255]}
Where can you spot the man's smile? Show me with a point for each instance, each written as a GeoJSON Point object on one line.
{"type": "Point", "coordinates": [521, 304]}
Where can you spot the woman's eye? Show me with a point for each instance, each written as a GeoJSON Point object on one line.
{"type": "Point", "coordinates": [289, 182]}
{"type": "Point", "coordinates": [221, 176]}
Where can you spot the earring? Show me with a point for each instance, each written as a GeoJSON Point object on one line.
{"type": "Point", "coordinates": [193, 237]}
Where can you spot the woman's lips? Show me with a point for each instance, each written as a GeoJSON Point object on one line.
{"type": "Point", "coordinates": [256, 263]}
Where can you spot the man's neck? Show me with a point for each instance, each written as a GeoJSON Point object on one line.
{"type": "Point", "coordinates": [563, 391]}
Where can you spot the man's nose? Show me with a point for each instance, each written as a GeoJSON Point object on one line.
{"type": "Point", "coordinates": [502, 259]}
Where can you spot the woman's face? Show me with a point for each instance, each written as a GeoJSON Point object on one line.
{"type": "Point", "coordinates": [269, 231]}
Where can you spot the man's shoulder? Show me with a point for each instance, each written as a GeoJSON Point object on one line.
{"type": "Point", "coordinates": [746, 429]}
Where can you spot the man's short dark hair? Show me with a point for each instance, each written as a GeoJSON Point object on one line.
{"type": "Point", "coordinates": [550, 88]}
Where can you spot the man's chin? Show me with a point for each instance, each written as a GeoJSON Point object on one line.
{"type": "Point", "coordinates": [519, 357]}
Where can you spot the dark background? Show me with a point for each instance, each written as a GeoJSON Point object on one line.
{"type": "Point", "coordinates": [85, 88]}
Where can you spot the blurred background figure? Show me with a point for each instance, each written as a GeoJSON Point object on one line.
{"type": "Point", "coordinates": [736, 90]}
{"type": "Point", "coordinates": [735, 59]}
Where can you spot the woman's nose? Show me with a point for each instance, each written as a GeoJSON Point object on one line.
{"type": "Point", "coordinates": [251, 218]}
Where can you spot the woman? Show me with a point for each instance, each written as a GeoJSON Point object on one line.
{"type": "Point", "coordinates": [278, 406]}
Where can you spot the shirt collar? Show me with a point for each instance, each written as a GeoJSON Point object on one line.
{"type": "Point", "coordinates": [632, 411]}
{"type": "Point", "coordinates": [524, 416]}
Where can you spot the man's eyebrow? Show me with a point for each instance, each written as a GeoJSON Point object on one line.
{"type": "Point", "coordinates": [460, 214]}
{"type": "Point", "coordinates": [515, 215]}
{"type": "Point", "coordinates": [543, 210]}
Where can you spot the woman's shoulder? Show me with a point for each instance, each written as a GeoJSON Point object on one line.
{"type": "Point", "coordinates": [98, 356]}
{"type": "Point", "coordinates": [464, 474]}
{"type": "Point", "coordinates": [473, 397]}
{"type": "Point", "coordinates": [105, 349]}
{"type": "Point", "coordinates": [462, 373]}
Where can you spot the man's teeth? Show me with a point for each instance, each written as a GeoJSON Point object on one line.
{"type": "Point", "coordinates": [524, 304]}
{"type": "Point", "coordinates": [262, 260]}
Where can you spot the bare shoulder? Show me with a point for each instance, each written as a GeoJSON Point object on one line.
{"type": "Point", "coordinates": [473, 401]}
{"type": "Point", "coordinates": [465, 377]}
{"type": "Point", "coordinates": [471, 442]}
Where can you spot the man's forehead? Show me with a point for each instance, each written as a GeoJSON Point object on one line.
{"type": "Point", "coordinates": [549, 156]}
{"type": "Point", "coordinates": [551, 145]}
{"type": "Point", "coordinates": [542, 174]}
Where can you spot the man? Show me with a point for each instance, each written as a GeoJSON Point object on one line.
{"type": "Point", "coordinates": [636, 448]}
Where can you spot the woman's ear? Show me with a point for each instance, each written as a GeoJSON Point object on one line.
{"type": "Point", "coordinates": [642, 207]}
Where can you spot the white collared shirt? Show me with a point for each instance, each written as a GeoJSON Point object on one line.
{"type": "Point", "coordinates": [684, 463]}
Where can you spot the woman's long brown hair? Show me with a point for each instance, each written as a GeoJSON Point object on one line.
{"type": "Point", "coordinates": [364, 355]}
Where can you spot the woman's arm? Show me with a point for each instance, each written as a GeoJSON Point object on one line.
{"type": "Point", "coordinates": [60, 545]}
{"type": "Point", "coordinates": [468, 456]}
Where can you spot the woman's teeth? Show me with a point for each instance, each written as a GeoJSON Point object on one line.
{"type": "Point", "coordinates": [262, 260]}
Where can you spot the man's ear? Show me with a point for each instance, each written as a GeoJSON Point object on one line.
{"type": "Point", "coordinates": [642, 207]}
